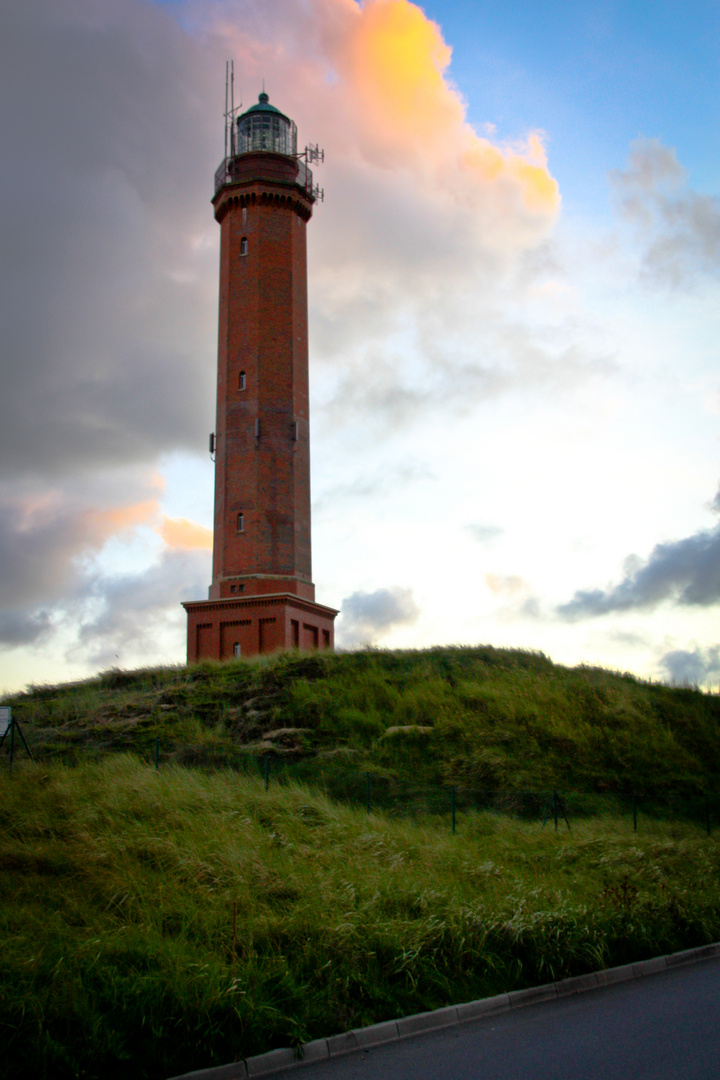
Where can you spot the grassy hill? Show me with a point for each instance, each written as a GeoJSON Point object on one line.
{"type": "Point", "coordinates": [156, 921]}
{"type": "Point", "coordinates": [477, 718]}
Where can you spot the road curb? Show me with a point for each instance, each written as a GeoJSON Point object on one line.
{"type": "Point", "coordinates": [275, 1062]}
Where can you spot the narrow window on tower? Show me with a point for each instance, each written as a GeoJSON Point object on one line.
{"type": "Point", "coordinates": [241, 522]}
{"type": "Point", "coordinates": [242, 381]}
{"type": "Point", "coordinates": [243, 246]}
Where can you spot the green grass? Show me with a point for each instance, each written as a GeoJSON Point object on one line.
{"type": "Point", "coordinates": [476, 718]}
{"type": "Point", "coordinates": [117, 881]}
{"type": "Point", "coordinates": [117, 884]}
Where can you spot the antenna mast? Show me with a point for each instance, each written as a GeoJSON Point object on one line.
{"type": "Point", "coordinates": [230, 109]}
{"type": "Point", "coordinates": [225, 114]}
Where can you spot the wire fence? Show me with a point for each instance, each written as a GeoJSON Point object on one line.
{"type": "Point", "coordinates": [395, 796]}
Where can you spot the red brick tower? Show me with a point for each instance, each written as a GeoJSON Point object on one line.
{"type": "Point", "coordinates": [262, 597]}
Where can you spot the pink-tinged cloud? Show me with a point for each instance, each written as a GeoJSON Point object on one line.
{"type": "Point", "coordinates": [181, 533]}
{"type": "Point", "coordinates": [102, 524]}
{"type": "Point", "coordinates": [46, 534]}
{"type": "Point", "coordinates": [394, 61]}
{"type": "Point", "coordinates": [506, 584]}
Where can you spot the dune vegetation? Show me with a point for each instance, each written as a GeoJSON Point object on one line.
{"type": "Point", "coordinates": [477, 718]}
{"type": "Point", "coordinates": [157, 920]}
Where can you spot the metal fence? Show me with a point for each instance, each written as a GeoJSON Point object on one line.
{"type": "Point", "coordinates": [455, 803]}
{"type": "Point", "coordinates": [396, 796]}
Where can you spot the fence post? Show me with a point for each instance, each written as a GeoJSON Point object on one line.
{"type": "Point", "coordinates": [234, 935]}
{"type": "Point", "coordinates": [555, 807]}
{"type": "Point", "coordinates": [12, 742]}
{"type": "Point", "coordinates": [367, 792]}
{"type": "Point", "coordinates": [452, 799]}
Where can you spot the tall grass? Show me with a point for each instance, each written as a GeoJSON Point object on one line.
{"type": "Point", "coordinates": [117, 886]}
{"type": "Point", "coordinates": [477, 718]}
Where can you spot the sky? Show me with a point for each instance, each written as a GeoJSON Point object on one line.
{"type": "Point", "coordinates": [514, 323]}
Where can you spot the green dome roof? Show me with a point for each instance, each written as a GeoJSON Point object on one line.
{"type": "Point", "coordinates": [263, 105]}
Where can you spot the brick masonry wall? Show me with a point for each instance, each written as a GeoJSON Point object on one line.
{"type": "Point", "coordinates": [262, 425]}
{"type": "Point", "coordinates": [257, 625]}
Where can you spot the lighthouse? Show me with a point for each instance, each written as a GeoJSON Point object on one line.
{"type": "Point", "coordinates": [262, 597]}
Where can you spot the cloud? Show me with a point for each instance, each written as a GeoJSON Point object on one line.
{"type": "Point", "coordinates": [45, 531]}
{"type": "Point", "coordinates": [52, 583]}
{"type": "Point", "coordinates": [130, 615]}
{"type": "Point", "coordinates": [366, 616]}
{"type": "Point", "coordinates": [484, 533]}
{"type": "Point", "coordinates": [106, 290]}
{"type": "Point", "coordinates": [695, 668]}
{"type": "Point", "coordinates": [394, 61]}
{"type": "Point", "coordinates": [21, 628]}
{"type": "Point", "coordinates": [372, 485]}
{"type": "Point", "coordinates": [181, 533]}
{"type": "Point", "coordinates": [101, 208]}
{"type": "Point", "coordinates": [679, 229]}
{"type": "Point", "coordinates": [450, 367]}
{"type": "Point", "coordinates": [685, 571]}
{"type": "Point", "coordinates": [506, 584]}
{"type": "Point", "coordinates": [48, 537]}
{"type": "Point", "coordinates": [54, 589]}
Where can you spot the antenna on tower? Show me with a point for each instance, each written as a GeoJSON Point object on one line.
{"type": "Point", "coordinates": [312, 154]}
{"type": "Point", "coordinates": [225, 114]}
{"type": "Point", "coordinates": [230, 109]}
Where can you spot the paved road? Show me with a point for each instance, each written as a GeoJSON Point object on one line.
{"type": "Point", "coordinates": [662, 1027]}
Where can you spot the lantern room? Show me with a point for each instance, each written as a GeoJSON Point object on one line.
{"type": "Point", "coordinates": [265, 128]}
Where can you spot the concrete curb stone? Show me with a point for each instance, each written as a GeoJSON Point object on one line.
{"type": "Point", "coordinates": [272, 1061]}
{"type": "Point", "coordinates": [427, 1021]}
{"type": "Point", "coordinates": [707, 951]}
{"type": "Point", "coordinates": [649, 967]}
{"type": "Point", "coordinates": [473, 1010]}
{"type": "Point", "coordinates": [518, 998]}
{"type": "Point", "coordinates": [376, 1034]}
{"type": "Point", "coordinates": [237, 1070]}
{"type": "Point", "coordinates": [576, 984]}
{"type": "Point", "coordinates": [277, 1061]}
{"type": "Point", "coordinates": [616, 975]}
{"type": "Point", "coordinates": [687, 956]}
{"type": "Point", "coordinates": [342, 1044]}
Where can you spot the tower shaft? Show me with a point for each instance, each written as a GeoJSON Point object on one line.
{"type": "Point", "coordinates": [262, 474]}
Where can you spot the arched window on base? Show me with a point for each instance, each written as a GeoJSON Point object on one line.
{"type": "Point", "coordinates": [242, 381]}
{"type": "Point", "coordinates": [243, 246]}
{"type": "Point", "coordinates": [241, 522]}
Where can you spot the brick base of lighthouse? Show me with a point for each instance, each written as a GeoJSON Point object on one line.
{"type": "Point", "coordinates": [223, 629]}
